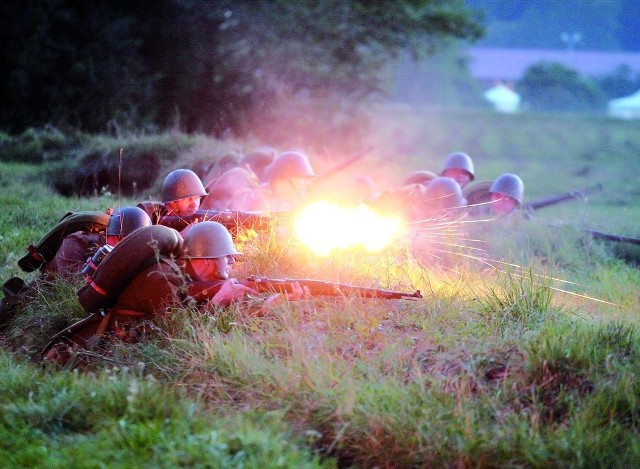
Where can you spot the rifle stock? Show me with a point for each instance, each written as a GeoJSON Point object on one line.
{"type": "Point", "coordinates": [201, 291]}
{"type": "Point", "coordinates": [232, 219]}
{"type": "Point", "coordinates": [556, 199]}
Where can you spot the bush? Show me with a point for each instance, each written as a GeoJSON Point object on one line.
{"type": "Point", "coordinates": [549, 86]}
{"type": "Point", "coordinates": [36, 145]}
{"type": "Point", "coordinates": [96, 167]}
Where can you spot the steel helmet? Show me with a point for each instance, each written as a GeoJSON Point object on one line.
{"type": "Point", "coordinates": [510, 185]}
{"type": "Point", "coordinates": [230, 159]}
{"type": "Point", "coordinates": [459, 160]}
{"type": "Point", "coordinates": [259, 158]}
{"type": "Point", "coordinates": [288, 165]}
{"type": "Point", "coordinates": [126, 220]}
{"type": "Point", "coordinates": [180, 184]}
{"type": "Point", "coordinates": [208, 240]}
{"type": "Point", "coordinates": [444, 193]}
{"type": "Point", "coordinates": [420, 177]}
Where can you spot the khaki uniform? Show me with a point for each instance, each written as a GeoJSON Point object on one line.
{"type": "Point", "coordinates": [150, 293]}
{"type": "Point", "coordinates": [155, 210]}
{"type": "Point", "coordinates": [73, 253]}
{"type": "Point", "coordinates": [147, 296]}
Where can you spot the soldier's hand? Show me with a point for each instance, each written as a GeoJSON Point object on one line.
{"type": "Point", "coordinates": [298, 292]}
{"type": "Point", "coordinates": [231, 291]}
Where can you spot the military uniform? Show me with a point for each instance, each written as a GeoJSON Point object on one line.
{"type": "Point", "coordinates": [73, 253]}
{"type": "Point", "coordinates": [155, 210]}
{"type": "Point", "coordinates": [133, 284]}
{"type": "Point", "coordinates": [150, 293]}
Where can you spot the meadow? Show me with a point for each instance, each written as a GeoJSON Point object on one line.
{"type": "Point", "coordinates": [524, 351]}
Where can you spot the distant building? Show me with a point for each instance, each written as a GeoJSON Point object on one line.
{"type": "Point", "coordinates": [489, 65]}
{"type": "Point", "coordinates": [503, 98]}
{"type": "Point", "coordinates": [625, 108]}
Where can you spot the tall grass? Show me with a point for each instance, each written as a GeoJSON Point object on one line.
{"type": "Point", "coordinates": [504, 362]}
{"type": "Point", "coordinates": [120, 417]}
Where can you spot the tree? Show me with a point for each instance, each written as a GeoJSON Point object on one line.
{"type": "Point", "coordinates": [550, 86]}
{"type": "Point", "coordinates": [71, 63]}
{"type": "Point", "coordinates": [619, 83]}
{"type": "Point", "coordinates": [245, 57]}
{"type": "Point", "coordinates": [441, 79]}
{"type": "Point", "coordinates": [209, 66]}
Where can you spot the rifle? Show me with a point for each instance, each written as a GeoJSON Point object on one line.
{"type": "Point", "coordinates": [204, 290]}
{"type": "Point", "coordinates": [612, 237]}
{"type": "Point", "coordinates": [231, 219]}
{"type": "Point", "coordinates": [343, 165]}
{"type": "Point", "coordinates": [555, 199]}
{"type": "Point", "coordinates": [604, 236]}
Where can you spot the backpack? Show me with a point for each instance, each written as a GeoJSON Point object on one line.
{"type": "Point", "coordinates": [138, 251]}
{"type": "Point", "coordinates": [45, 249]}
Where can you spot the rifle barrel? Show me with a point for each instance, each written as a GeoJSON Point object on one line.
{"type": "Point", "coordinates": [554, 199]}
{"type": "Point", "coordinates": [343, 165]}
{"type": "Point", "coordinates": [232, 219]}
{"type": "Point", "coordinates": [612, 237]}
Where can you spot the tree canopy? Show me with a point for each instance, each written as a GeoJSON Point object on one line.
{"type": "Point", "coordinates": [207, 66]}
{"type": "Point", "coordinates": [550, 86]}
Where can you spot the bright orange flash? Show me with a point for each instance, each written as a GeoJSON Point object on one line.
{"type": "Point", "coordinates": [324, 226]}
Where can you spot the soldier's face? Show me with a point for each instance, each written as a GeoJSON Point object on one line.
{"type": "Point", "coordinates": [502, 204]}
{"type": "Point", "coordinates": [459, 175]}
{"type": "Point", "coordinates": [212, 269]}
{"type": "Point", "coordinates": [184, 207]}
{"type": "Point", "coordinates": [223, 266]}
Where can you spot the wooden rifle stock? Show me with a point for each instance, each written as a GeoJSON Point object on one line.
{"type": "Point", "coordinates": [555, 199]}
{"type": "Point", "coordinates": [324, 288]}
{"type": "Point", "coordinates": [232, 219]}
{"type": "Point", "coordinates": [202, 291]}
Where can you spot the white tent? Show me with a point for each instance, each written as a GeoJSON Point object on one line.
{"type": "Point", "coordinates": [504, 99]}
{"type": "Point", "coordinates": [625, 108]}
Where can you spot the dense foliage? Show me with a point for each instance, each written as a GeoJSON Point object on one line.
{"type": "Point", "coordinates": [621, 82]}
{"type": "Point", "coordinates": [549, 86]}
{"type": "Point", "coordinates": [210, 66]}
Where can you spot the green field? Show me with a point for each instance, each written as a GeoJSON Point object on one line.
{"type": "Point", "coordinates": [524, 351]}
